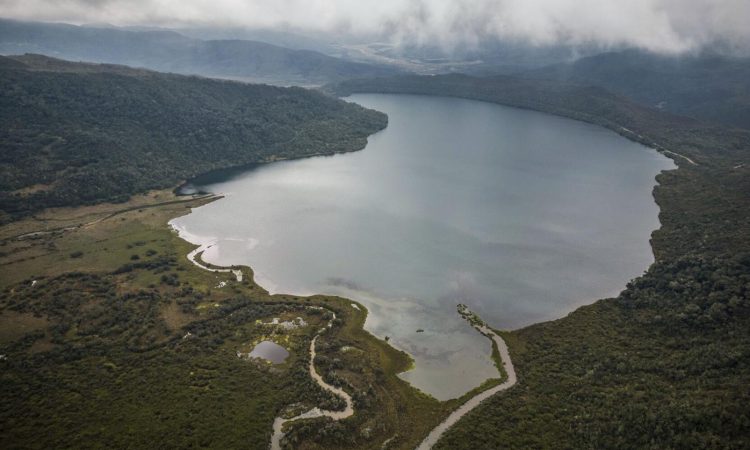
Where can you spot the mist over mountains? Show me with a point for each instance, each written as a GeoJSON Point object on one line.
{"type": "Point", "coordinates": [667, 26]}
{"type": "Point", "coordinates": [169, 51]}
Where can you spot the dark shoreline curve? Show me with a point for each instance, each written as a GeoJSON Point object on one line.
{"type": "Point", "coordinates": [140, 131]}
{"type": "Point", "coordinates": [230, 172]}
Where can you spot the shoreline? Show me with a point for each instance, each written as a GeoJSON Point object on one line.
{"type": "Point", "coordinates": [475, 399]}
{"type": "Point", "coordinates": [434, 435]}
{"type": "Point", "coordinates": [194, 257]}
{"type": "Point", "coordinates": [510, 380]}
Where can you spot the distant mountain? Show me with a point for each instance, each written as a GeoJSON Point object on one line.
{"type": "Point", "coordinates": [78, 133]}
{"type": "Point", "coordinates": [710, 87]}
{"type": "Point", "coordinates": [169, 51]}
{"type": "Point", "coordinates": [319, 42]}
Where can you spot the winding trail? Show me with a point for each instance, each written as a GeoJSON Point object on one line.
{"type": "Point", "coordinates": [278, 423]}
{"type": "Point", "coordinates": [475, 401]}
{"type": "Point", "coordinates": [436, 433]}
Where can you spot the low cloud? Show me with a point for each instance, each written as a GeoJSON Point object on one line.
{"type": "Point", "coordinates": [659, 25]}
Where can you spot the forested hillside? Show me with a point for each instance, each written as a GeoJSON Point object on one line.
{"type": "Point", "coordinates": [76, 133]}
{"type": "Point", "coordinates": [707, 86]}
{"type": "Point", "coordinates": [666, 364]}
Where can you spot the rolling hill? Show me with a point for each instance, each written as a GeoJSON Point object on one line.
{"type": "Point", "coordinates": [78, 133]}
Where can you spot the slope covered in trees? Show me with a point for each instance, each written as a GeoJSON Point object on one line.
{"type": "Point", "coordinates": [79, 133]}
{"type": "Point", "coordinates": [707, 86]}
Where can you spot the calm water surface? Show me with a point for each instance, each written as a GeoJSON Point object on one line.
{"type": "Point", "coordinates": [270, 351]}
{"type": "Point", "coordinates": [521, 215]}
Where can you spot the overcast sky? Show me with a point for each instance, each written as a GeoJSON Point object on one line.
{"type": "Point", "coordinates": [661, 25]}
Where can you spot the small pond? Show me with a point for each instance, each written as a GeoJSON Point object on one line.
{"type": "Point", "coordinates": [270, 351]}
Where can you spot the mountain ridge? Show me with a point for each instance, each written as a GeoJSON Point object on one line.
{"type": "Point", "coordinates": [708, 86]}
{"type": "Point", "coordinates": [169, 51]}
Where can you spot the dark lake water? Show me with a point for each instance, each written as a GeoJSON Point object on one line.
{"type": "Point", "coordinates": [521, 215]}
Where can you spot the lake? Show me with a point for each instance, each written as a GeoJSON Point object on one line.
{"type": "Point", "coordinates": [520, 215]}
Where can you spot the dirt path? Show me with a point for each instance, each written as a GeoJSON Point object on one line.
{"type": "Point", "coordinates": [659, 147]}
{"type": "Point", "coordinates": [475, 401]}
{"type": "Point", "coordinates": [434, 436]}
{"type": "Point", "coordinates": [105, 217]}
{"type": "Point", "coordinates": [681, 156]}
{"type": "Point", "coordinates": [278, 423]}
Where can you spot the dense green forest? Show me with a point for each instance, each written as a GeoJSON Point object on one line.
{"type": "Point", "coordinates": [666, 364]}
{"type": "Point", "coordinates": [708, 86]}
{"type": "Point", "coordinates": [79, 133]}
